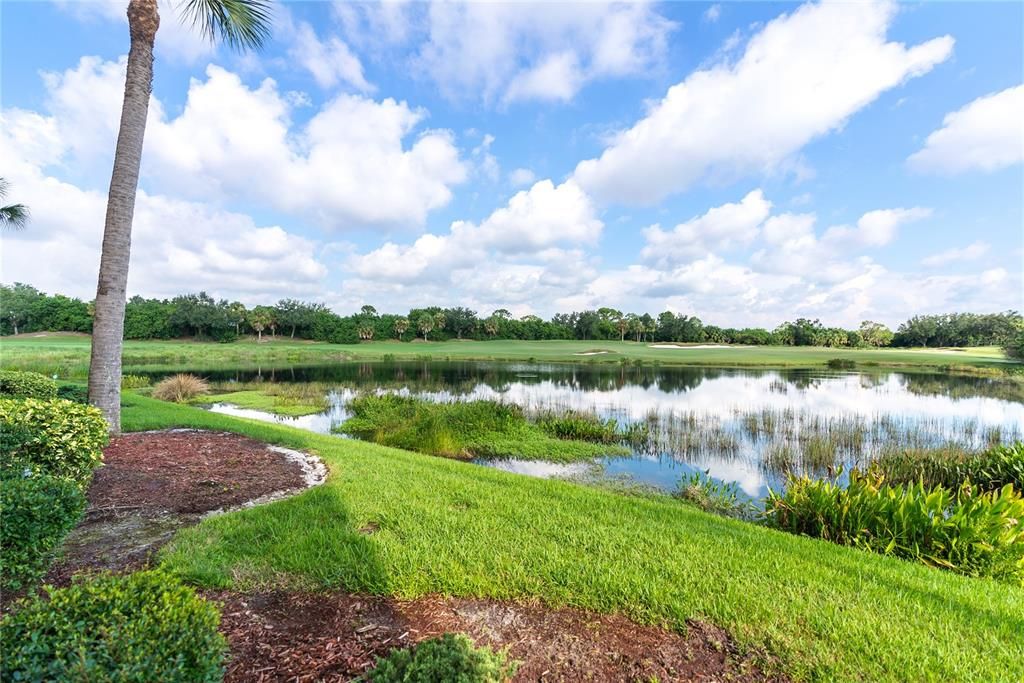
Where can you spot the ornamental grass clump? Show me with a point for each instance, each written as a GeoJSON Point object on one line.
{"type": "Point", "coordinates": [134, 628]}
{"type": "Point", "coordinates": [966, 530]}
{"type": "Point", "coordinates": [180, 388]}
{"type": "Point", "coordinates": [452, 657]}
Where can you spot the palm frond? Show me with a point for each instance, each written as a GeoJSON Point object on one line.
{"type": "Point", "coordinates": [240, 24]}
{"type": "Point", "coordinates": [14, 217]}
{"type": "Point", "coordinates": [4, 187]}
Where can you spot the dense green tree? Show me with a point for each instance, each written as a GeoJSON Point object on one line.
{"type": "Point", "coordinates": [875, 334]}
{"type": "Point", "coordinates": [16, 305]}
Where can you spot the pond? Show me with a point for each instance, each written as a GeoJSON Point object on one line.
{"type": "Point", "coordinates": [748, 426]}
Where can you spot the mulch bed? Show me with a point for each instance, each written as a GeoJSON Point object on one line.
{"type": "Point", "coordinates": [154, 483]}
{"type": "Point", "coordinates": [188, 471]}
{"type": "Point", "coordinates": [336, 637]}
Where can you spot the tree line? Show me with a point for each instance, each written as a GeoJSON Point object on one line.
{"type": "Point", "coordinates": [25, 309]}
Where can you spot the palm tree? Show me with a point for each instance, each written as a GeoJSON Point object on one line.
{"type": "Point", "coordinates": [12, 216]}
{"type": "Point", "coordinates": [425, 324]}
{"type": "Point", "coordinates": [238, 23]}
{"type": "Point", "coordinates": [401, 325]}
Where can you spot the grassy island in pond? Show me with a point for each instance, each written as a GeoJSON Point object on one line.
{"type": "Point", "coordinates": [465, 430]}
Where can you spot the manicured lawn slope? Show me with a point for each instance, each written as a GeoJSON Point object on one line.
{"type": "Point", "coordinates": [829, 613]}
{"type": "Point", "coordinates": [69, 355]}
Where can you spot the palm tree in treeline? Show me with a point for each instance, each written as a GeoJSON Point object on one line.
{"type": "Point", "coordinates": [12, 216]}
{"type": "Point", "coordinates": [240, 24]}
{"type": "Point", "coordinates": [401, 325]}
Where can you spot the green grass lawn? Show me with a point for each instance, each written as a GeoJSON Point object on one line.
{"type": "Point", "coordinates": [68, 356]}
{"type": "Point", "coordinates": [827, 612]}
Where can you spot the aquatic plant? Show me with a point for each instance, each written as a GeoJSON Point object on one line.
{"type": "Point", "coordinates": [710, 495]}
{"type": "Point", "coordinates": [951, 466]}
{"type": "Point", "coordinates": [966, 530]}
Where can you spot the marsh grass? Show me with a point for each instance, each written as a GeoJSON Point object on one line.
{"type": "Point", "coordinates": [280, 398]}
{"type": "Point", "coordinates": [471, 429]}
{"type": "Point", "coordinates": [952, 466]}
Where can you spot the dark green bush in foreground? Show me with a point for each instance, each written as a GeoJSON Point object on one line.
{"type": "Point", "coordinates": [452, 658]}
{"type": "Point", "coordinates": [67, 438]}
{"type": "Point", "coordinates": [138, 628]}
{"type": "Point", "coordinates": [991, 470]}
{"type": "Point", "coordinates": [16, 384]}
{"type": "Point", "coordinates": [964, 530]}
{"type": "Point", "coordinates": [36, 513]}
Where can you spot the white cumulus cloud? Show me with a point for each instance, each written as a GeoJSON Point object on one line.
{"type": "Point", "coordinates": [803, 75]}
{"type": "Point", "coordinates": [985, 135]}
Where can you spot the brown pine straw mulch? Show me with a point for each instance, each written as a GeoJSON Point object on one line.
{"type": "Point", "coordinates": [154, 483]}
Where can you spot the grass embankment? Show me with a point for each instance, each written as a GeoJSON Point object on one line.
{"type": "Point", "coordinates": [68, 356]}
{"type": "Point", "coordinates": [464, 430]}
{"type": "Point", "coordinates": [828, 612]}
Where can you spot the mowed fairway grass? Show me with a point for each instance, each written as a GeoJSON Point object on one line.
{"type": "Point", "coordinates": [68, 355]}
{"type": "Point", "coordinates": [399, 523]}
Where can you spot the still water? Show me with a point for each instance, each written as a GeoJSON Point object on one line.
{"type": "Point", "coordinates": [740, 425]}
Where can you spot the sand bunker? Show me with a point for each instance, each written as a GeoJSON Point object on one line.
{"type": "Point", "coordinates": [590, 353]}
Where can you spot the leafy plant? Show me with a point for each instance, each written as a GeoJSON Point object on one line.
{"type": "Point", "coordinates": [180, 388]}
{"type": "Point", "coordinates": [965, 530]}
{"type": "Point", "coordinates": [66, 442]}
{"type": "Point", "coordinates": [37, 512]}
{"type": "Point", "coordinates": [17, 384]}
{"type": "Point", "coordinates": [720, 498]}
{"type": "Point", "coordinates": [452, 658]}
{"type": "Point", "coordinates": [134, 381]}
{"type": "Point", "coordinates": [135, 628]}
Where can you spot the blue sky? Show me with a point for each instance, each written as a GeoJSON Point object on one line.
{"type": "Point", "coordinates": [744, 162]}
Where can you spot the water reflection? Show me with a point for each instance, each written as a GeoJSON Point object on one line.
{"type": "Point", "coordinates": [726, 410]}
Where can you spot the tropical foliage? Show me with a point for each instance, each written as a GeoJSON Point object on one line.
{"type": "Point", "coordinates": [64, 439]}
{"type": "Point", "coordinates": [965, 530]}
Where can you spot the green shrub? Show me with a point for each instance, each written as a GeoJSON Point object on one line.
{"type": "Point", "coordinates": [37, 512]}
{"type": "Point", "coordinates": [135, 628]}
{"type": "Point", "coordinates": [74, 392]}
{"type": "Point", "coordinates": [841, 364]}
{"type": "Point", "coordinates": [134, 381]}
{"type": "Point", "coordinates": [67, 438]}
{"type": "Point", "coordinates": [952, 466]}
{"type": "Point", "coordinates": [17, 384]}
{"type": "Point", "coordinates": [965, 530]}
{"type": "Point", "coordinates": [452, 658]}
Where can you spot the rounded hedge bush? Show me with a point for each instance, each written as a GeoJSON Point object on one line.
{"type": "Point", "coordinates": [37, 513]}
{"type": "Point", "coordinates": [134, 628]}
{"type": "Point", "coordinates": [17, 384]}
{"type": "Point", "coordinates": [67, 438]}
{"type": "Point", "coordinates": [452, 658]}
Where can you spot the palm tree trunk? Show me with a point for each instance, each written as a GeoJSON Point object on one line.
{"type": "Point", "coordinates": [108, 324]}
